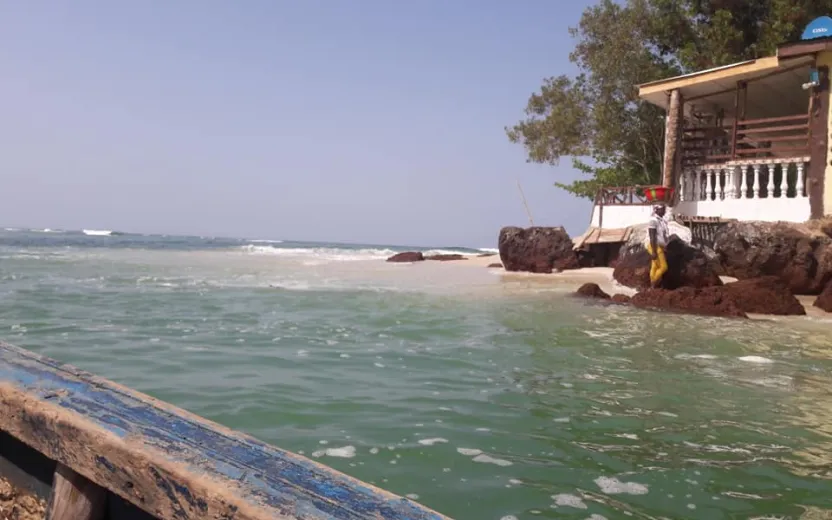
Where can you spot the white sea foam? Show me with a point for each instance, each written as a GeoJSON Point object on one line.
{"type": "Point", "coordinates": [264, 241]}
{"type": "Point", "coordinates": [326, 254]}
{"type": "Point", "coordinates": [431, 442]}
{"type": "Point", "coordinates": [489, 250]}
{"type": "Point", "coordinates": [346, 452]}
{"type": "Point", "coordinates": [567, 500]}
{"type": "Point", "coordinates": [97, 232]}
{"type": "Point", "coordinates": [756, 359]}
{"type": "Point", "coordinates": [613, 486]}
{"type": "Point", "coordinates": [469, 452]}
{"type": "Point", "coordinates": [488, 459]}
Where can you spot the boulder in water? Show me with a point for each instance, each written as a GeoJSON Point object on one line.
{"type": "Point", "coordinates": [707, 301]}
{"type": "Point", "coordinates": [536, 249]}
{"type": "Point", "coordinates": [792, 252]}
{"type": "Point", "coordinates": [592, 290]}
{"type": "Point", "coordinates": [407, 256]}
{"type": "Point", "coordinates": [446, 257]}
{"type": "Point", "coordinates": [767, 295]}
{"type": "Point", "coordinates": [824, 299]}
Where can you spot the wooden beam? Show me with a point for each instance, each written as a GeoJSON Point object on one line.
{"type": "Point", "coordinates": [709, 76]}
{"type": "Point", "coordinates": [803, 48]}
{"type": "Point", "coordinates": [818, 143]}
{"type": "Point", "coordinates": [672, 138]}
{"type": "Point", "coordinates": [74, 497]}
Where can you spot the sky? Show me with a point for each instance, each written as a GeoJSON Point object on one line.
{"type": "Point", "coordinates": [366, 121]}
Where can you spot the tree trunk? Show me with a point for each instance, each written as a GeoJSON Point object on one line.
{"type": "Point", "coordinates": [672, 139]}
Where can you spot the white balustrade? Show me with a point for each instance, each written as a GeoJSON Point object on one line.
{"type": "Point", "coordinates": [754, 189]}
{"type": "Point", "coordinates": [731, 181]}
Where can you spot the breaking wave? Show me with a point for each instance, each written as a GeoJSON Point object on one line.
{"type": "Point", "coordinates": [338, 254]}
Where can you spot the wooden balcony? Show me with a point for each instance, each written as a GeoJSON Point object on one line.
{"type": "Point", "coordinates": [773, 137]}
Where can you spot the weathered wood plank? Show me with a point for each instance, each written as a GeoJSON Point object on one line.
{"type": "Point", "coordinates": [75, 498]}
{"type": "Point", "coordinates": [169, 462]}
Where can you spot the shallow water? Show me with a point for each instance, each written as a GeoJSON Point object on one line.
{"type": "Point", "coordinates": [479, 396]}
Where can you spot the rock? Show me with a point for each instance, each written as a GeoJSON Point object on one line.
{"type": "Point", "coordinates": [768, 295]}
{"type": "Point", "coordinates": [591, 290]}
{"type": "Point", "coordinates": [536, 249]}
{"type": "Point", "coordinates": [792, 252]}
{"type": "Point", "coordinates": [446, 257]}
{"type": "Point", "coordinates": [707, 301]}
{"type": "Point", "coordinates": [687, 267]}
{"type": "Point", "coordinates": [638, 235]}
{"type": "Point", "coordinates": [620, 298]}
{"type": "Point", "coordinates": [408, 256]}
{"type": "Point", "coordinates": [824, 300]}
{"type": "Point", "coordinates": [495, 266]}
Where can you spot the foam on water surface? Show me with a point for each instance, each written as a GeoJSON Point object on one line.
{"type": "Point", "coordinates": [346, 452]}
{"type": "Point", "coordinates": [613, 486]}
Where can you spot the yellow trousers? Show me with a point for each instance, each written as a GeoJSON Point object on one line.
{"type": "Point", "coordinates": [658, 266]}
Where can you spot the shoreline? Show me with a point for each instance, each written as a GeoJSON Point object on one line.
{"type": "Point", "coordinates": [572, 279]}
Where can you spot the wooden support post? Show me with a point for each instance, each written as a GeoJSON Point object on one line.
{"type": "Point", "coordinates": [818, 139]}
{"type": "Point", "coordinates": [671, 139]}
{"type": "Point", "coordinates": [736, 120]}
{"type": "Point", "coordinates": [74, 497]}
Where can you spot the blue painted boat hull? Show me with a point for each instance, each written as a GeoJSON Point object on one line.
{"type": "Point", "coordinates": [167, 462]}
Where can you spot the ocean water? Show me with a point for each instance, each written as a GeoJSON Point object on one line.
{"type": "Point", "coordinates": [479, 395]}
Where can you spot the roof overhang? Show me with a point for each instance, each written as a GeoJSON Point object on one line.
{"type": "Point", "coordinates": [804, 47]}
{"type": "Point", "coordinates": [719, 80]}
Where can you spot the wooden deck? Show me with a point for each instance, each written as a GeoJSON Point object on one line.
{"type": "Point", "coordinates": [161, 461]}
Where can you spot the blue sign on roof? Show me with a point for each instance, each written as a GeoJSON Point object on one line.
{"type": "Point", "coordinates": [818, 28]}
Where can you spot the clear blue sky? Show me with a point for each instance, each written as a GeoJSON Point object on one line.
{"type": "Point", "coordinates": [366, 121]}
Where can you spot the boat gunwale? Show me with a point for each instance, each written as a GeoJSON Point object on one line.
{"type": "Point", "coordinates": [139, 449]}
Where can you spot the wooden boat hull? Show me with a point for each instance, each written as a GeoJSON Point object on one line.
{"type": "Point", "coordinates": [157, 461]}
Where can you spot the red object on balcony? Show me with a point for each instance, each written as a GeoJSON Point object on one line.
{"type": "Point", "coordinates": [658, 193]}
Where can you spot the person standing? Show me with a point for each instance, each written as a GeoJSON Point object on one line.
{"type": "Point", "coordinates": [657, 237]}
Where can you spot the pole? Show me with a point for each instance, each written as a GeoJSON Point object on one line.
{"type": "Point", "coordinates": [525, 204]}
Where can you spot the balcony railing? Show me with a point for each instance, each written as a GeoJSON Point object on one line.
{"type": "Point", "coordinates": [622, 196]}
{"type": "Point", "coordinates": [745, 179]}
{"type": "Point", "coordinates": [786, 136]}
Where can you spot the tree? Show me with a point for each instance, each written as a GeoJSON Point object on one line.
{"type": "Point", "coordinates": [596, 118]}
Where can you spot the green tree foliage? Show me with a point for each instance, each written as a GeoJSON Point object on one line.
{"type": "Point", "coordinates": [596, 118]}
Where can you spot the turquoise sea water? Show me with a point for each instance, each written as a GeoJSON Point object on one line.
{"type": "Point", "coordinates": [479, 395]}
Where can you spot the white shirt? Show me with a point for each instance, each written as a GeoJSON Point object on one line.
{"type": "Point", "coordinates": [660, 225]}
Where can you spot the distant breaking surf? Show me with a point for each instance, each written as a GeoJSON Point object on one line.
{"type": "Point", "coordinates": [97, 232]}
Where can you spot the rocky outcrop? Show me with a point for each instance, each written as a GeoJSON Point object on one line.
{"type": "Point", "coordinates": [495, 266]}
{"type": "Point", "coordinates": [592, 290]}
{"type": "Point", "coordinates": [536, 249]}
{"type": "Point", "coordinates": [824, 299]}
{"type": "Point", "coordinates": [768, 295]}
{"type": "Point", "coordinates": [687, 267]}
{"type": "Point", "coordinates": [792, 252]}
{"type": "Point", "coordinates": [707, 301]}
{"type": "Point", "coordinates": [446, 257]}
{"type": "Point", "coordinates": [407, 256]}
